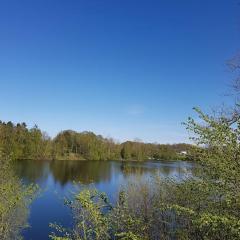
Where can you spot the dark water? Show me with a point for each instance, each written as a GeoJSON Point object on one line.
{"type": "Point", "coordinates": [57, 179]}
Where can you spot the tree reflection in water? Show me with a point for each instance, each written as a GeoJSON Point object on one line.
{"type": "Point", "coordinates": [85, 172]}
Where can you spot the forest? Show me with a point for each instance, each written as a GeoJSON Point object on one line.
{"type": "Point", "coordinates": [21, 142]}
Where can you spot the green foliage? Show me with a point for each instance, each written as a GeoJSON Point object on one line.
{"type": "Point", "coordinates": [90, 220]}
{"type": "Point", "coordinates": [213, 197]}
{"type": "Point", "coordinates": [84, 145]}
{"type": "Point", "coordinates": [144, 151]}
{"type": "Point", "coordinates": [19, 142]}
{"type": "Point", "coordinates": [14, 201]}
{"type": "Point", "coordinates": [88, 146]}
{"type": "Point", "coordinates": [95, 218]}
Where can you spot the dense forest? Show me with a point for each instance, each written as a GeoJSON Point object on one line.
{"type": "Point", "coordinates": [21, 142]}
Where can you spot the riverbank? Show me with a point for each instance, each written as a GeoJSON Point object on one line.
{"type": "Point", "coordinates": [187, 159]}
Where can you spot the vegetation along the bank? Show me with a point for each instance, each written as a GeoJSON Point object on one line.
{"type": "Point", "coordinates": [20, 142]}
{"type": "Point", "coordinates": [15, 198]}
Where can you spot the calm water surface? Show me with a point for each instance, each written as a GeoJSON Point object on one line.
{"type": "Point", "coordinates": [57, 180]}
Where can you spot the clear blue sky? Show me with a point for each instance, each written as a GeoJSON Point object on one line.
{"type": "Point", "coordinates": [125, 69]}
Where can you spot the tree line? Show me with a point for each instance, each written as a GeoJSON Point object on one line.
{"type": "Point", "coordinates": [21, 142]}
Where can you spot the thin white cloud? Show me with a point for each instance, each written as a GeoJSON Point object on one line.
{"type": "Point", "coordinates": [135, 110]}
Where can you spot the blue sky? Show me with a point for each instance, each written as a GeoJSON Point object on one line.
{"type": "Point", "coordinates": [125, 69]}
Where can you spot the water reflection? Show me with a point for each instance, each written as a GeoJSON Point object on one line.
{"type": "Point", "coordinates": [32, 171]}
{"type": "Point", "coordinates": [58, 178]}
{"type": "Point", "coordinates": [177, 170]}
{"type": "Point", "coordinates": [86, 172]}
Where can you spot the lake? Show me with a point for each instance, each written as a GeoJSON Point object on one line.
{"type": "Point", "coordinates": [59, 179]}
